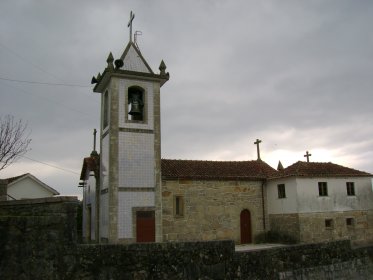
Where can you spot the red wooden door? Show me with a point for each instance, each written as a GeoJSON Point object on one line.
{"type": "Point", "coordinates": [245, 222]}
{"type": "Point", "coordinates": [145, 226]}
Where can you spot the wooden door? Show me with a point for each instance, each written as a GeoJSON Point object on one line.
{"type": "Point", "coordinates": [245, 222]}
{"type": "Point", "coordinates": [145, 226]}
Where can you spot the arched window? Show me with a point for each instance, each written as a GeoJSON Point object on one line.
{"type": "Point", "coordinates": [136, 102]}
{"type": "Point", "coordinates": [105, 120]}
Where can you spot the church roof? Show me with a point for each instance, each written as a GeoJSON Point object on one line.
{"type": "Point", "coordinates": [131, 64]}
{"type": "Point", "coordinates": [89, 163]}
{"type": "Point", "coordinates": [133, 60]}
{"type": "Point", "coordinates": [319, 169]}
{"type": "Point", "coordinates": [218, 170]}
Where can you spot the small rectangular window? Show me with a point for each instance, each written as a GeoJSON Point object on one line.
{"type": "Point", "coordinates": [281, 191]}
{"type": "Point", "coordinates": [105, 120]}
{"type": "Point", "coordinates": [179, 206]}
{"type": "Point", "coordinates": [350, 222]}
{"type": "Point", "coordinates": [323, 189]}
{"type": "Point", "coordinates": [329, 223]}
{"type": "Point", "coordinates": [350, 188]}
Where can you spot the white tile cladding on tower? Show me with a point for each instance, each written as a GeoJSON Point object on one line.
{"type": "Point", "coordinates": [104, 163]}
{"type": "Point", "coordinates": [104, 215]}
{"type": "Point", "coordinates": [136, 160]}
{"type": "Point", "coordinates": [126, 201]}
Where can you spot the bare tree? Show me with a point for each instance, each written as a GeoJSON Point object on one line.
{"type": "Point", "coordinates": [13, 141]}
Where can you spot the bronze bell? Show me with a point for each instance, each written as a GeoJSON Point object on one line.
{"type": "Point", "coordinates": [135, 108]}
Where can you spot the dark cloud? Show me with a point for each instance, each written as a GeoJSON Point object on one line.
{"type": "Point", "coordinates": [295, 74]}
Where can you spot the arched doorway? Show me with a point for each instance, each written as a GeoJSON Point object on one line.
{"type": "Point", "coordinates": [245, 223]}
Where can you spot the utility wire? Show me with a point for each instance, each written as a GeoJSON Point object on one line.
{"type": "Point", "coordinates": [28, 61]}
{"type": "Point", "coordinates": [50, 165]}
{"type": "Point", "coordinates": [46, 99]}
{"type": "Point", "coordinates": [42, 83]}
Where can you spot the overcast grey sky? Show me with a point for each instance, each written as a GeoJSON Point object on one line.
{"type": "Point", "coordinates": [295, 74]}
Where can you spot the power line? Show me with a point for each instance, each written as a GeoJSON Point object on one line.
{"type": "Point", "coordinates": [54, 166]}
{"type": "Point", "coordinates": [42, 83]}
{"type": "Point", "coordinates": [46, 99]}
{"type": "Point", "coordinates": [28, 61]}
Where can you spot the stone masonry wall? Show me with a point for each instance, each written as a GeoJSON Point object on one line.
{"type": "Point", "coordinates": [313, 228]}
{"type": "Point", "coordinates": [285, 223]}
{"type": "Point", "coordinates": [36, 237]}
{"type": "Point", "coordinates": [310, 227]}
{"type": "Point", "coordinates": [211, 209]}
{"type": "Point", "coordinates": [38, 241]}
{"type": "Point", "coordinates": [3, 189]}
{"type": "Point", "coordinates": [329, 260]}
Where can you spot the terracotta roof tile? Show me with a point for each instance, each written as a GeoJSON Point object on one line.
{"type": "Point", "coordinates": [228, 170]}
{"type": "Point", "coordinates": [319, 169]}
{"type": "Point", "coordinates": [91, 163]}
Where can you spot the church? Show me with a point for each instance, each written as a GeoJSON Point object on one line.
{"type": "Point", "coordinates": [131, 194]}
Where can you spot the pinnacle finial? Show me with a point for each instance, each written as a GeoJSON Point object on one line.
{"type": "Point", "coordinates": [162, 67]}
{"type": "Point", "coordinates": [110, 58]}
{"type": "Point", "coordinates": [109, 61]}
{"type": "Point", "coordinates": [279, 166]}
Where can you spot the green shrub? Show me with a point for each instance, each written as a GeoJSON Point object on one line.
{"type": "Point", "coordinates": [272, 236]}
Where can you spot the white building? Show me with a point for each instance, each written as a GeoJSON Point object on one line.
{"type": "Point", "coordinates": [27, 186]}
{"type": "Point", "coordinates": [315, 201]}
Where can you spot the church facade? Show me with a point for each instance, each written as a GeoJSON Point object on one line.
{"type": "Point", "coordinates": [132, 195]}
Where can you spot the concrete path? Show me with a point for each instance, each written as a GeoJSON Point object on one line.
{"type": "Point", "coordinates": [255, 247]}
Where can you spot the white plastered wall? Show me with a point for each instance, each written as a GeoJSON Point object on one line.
{"type": "Point", "coordinates": [28, 188]}
{"type": "Point", "coordinates": [128, 200]}
{"type": "Point", "coordinates": [302, 195]}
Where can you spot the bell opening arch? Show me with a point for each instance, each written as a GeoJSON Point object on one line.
{"type": "Point", "coordinates": [136, 103]}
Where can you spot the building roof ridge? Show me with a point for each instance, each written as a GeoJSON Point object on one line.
{"type": "Point", "coordinates": [208, 160]}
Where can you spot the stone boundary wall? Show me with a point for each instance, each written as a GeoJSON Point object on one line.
{"type": "Point", "coordinates": [328, 260]}
{"type": "Point", "coordinates": [38, 241]}
{"type": "Point", "coordinates": [37, 237]}
{"type": "Point", "coordinates": [3, 189]}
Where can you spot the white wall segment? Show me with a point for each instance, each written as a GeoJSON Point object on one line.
{"type": "Point", "coordinates": [104, 215]}
{"type": "Point", "coordinates": [104, 168]}
{"type": "Point", "coordinates": [136, 160]}
{"type": "Point", "coordinates": [302, 195]}
{"type": "Point", "coordinates": [285, 205]}
{"type": "Point", "coordinates": [128, 200]}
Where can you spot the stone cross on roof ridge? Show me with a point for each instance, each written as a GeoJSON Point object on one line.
{"type": "Point", "coordinates": [307, 155]}
{"type": "Point", "coordinates": [257, 142]}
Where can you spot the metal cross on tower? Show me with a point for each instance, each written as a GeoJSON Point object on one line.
{"type": "Point", "coordinates": [257, 142]}
{"type": "Point", "coordinates": [307, 155]}
{"type": "Point", "coordinates": [94, 139]}
{"type": "Point", "coordinates": [132, 16]}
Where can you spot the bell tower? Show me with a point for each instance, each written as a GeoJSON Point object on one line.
{"type": "Point", "coordinates": [130, 162]}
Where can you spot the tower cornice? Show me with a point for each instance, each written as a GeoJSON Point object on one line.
{"type": "Point", "coordinates": [108, 73]}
